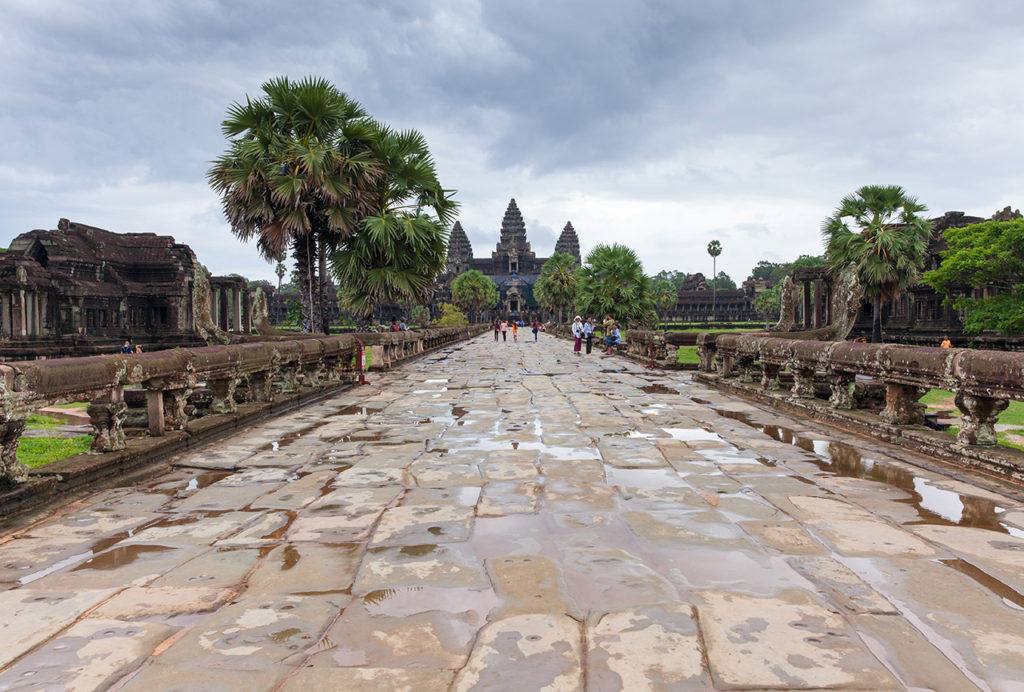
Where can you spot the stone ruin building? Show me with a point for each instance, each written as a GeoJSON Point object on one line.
{"type": "Point", "coordinates": [79, 290]}
{"type": "Point", "coordinates": [513, 266]}
{"type": "Point", "coordinates": [919, 316]}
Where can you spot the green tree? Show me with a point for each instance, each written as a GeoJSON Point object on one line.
{"type": "Point", "coordinates": [400, 248]}
{"type": "Point", "coordinates": [886, 244]}
{"type": "Point", "coordinates": [612, 282]}
{"type": "Point", "coordinates": [991, 255]}
{"type": "Point", "coordinates": [451, 316]}
{"type": "Point", "coordinates": [768, 303]}
{"type": "Point", "coordinates": [420, 316]}
{"type": "Point", "coordinates": [714, 249]}
{"type": "Point", "coordinates": [665, 297]}
{"type": "Point", "coordinates": [297, 172]}
{"type": "Point", "coordinates": [762, 271]}
{"type": "Point", "coordinates": [472, 291]}
{"type": "Point", "coordinates": [722, 282]}
{"type": "Point", "coordinates": [677, 278]}
{"type": "Point", "coordinates": [555, 289]}
{"type": "Point", "coordinates": [280, 270]}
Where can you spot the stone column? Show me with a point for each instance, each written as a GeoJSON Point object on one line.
{"type": "Point", "coordinates": [770, 376]}
{"type": "Point", "coordinates": [5, 314]}
{"type": "Point", "coordinates": [803, 382]}
{"type": "Point", "coordinates": [901, 406]}
{"type": "Point", "coordinates": [107, 414]}
{"type": "Point", "coordinates": [841, 384]}
{"type": "Point", "coordinates": [166, 408]}
{"type": "Point", "coordinates": [819, 304]}
{"type": "Point", "coordinates": [223, 394]}
{"type": "Point", "coordinates": [978, 416]}
{"type": "Point", "coordinates": [807, 304]}
{"type": "Point", "coordinates": [260, 386]}
{"type": "Point", "coordinates": [225, 308]}
{"type": "Point", "coordinates": [238, 309]}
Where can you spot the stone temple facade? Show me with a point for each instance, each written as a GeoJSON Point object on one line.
{"type": "Point", "coordinates": [513, 265]}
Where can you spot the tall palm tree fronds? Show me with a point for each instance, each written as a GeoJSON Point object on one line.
{"type": "Point", "coordinates": [612, 282]}
{"type": "Point", "coordinates": [878, 232]}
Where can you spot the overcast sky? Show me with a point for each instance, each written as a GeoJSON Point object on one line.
{"type": "Point", "coordinates": [661, 125]}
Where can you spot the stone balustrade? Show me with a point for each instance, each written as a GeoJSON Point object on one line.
{"type": "Point", "coordinates": [247, 372]}
{"type": "Point", "coordinates": [983, 381]}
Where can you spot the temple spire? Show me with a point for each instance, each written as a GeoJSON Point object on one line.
{"type": "Point", "coordinates": [568, 243]}
{"type": "Point", "coordinates": [512, 253]}
{"type": "Point", "coordinates": [460, 250]}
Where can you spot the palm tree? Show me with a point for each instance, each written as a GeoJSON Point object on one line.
{"type": "Point", "coordinates": [400, 247]}
{"type": "Point", "coordinates": [612, 282]}
{"type": "Point", "coordinates": [473, 291]}
{"type": "Point", "coordinates": [297, 172]}
{"type": "Point", "coordinates": [886, 246]}
{"type": "Point", "coordinates": [280, 270]}
{"type": "Point", "coordinates": [714, 249]}
{"type": "Point", "coordinates": [665, 296]}
{"type": "Point", "coordinates": [555, 290]}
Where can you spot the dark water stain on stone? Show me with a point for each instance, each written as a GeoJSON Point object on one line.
{"type": "Point", "coordinates": [291, 557]}
{"type": "Point", "coordinates": [658, 389]}
{"type": "Point", "coordinates": [994, 585]}
{"type": "Point", "coordinates": [418, 550]}
{"type": "Point", "coordinates": [119, 557]}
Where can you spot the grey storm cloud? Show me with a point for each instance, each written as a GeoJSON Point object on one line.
{"type": "Point", "coordinates": [658, 124]}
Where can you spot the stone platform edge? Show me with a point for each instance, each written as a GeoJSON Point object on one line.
{"type": "Point", "coordinates": [996, 465]}
{"type": "Point", "coordinates": [146, 456]}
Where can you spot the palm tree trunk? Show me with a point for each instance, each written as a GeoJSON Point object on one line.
{"type": "Point", "coordinates": [324, 328]}
{"type": "Point", "coordinates": [876, 320]}
{"type": "Point", "coordinates": [303, 270]}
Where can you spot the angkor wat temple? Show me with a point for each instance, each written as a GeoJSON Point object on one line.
{"type": "Point", "coordinates": [513, 266]}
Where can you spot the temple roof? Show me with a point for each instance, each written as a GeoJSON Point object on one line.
{"type": "Point", "coordinates": [568, 243]}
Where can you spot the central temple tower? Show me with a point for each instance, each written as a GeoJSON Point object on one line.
{"type": "Point", "coordinates": [512, 254]}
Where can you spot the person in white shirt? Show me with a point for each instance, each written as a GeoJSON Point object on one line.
{"type": "Point", "coordinates": [577, 335]}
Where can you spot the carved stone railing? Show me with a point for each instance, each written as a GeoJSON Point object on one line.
{"type": "Point", "coordinates": [247, 372]}
{"type": "Point", "coordinates": [983, 382]}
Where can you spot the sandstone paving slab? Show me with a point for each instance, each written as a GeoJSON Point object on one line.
{"type": "Point", "coordinates": [297, 494]}
{"type": "Point", "coordinates": [842, 585]}
{"type": "Point", "coordinates": [162, 602]}
{"type": "Point", "coordinates": [91, 654]}
{"type": "Point", "coordinates": [306, 568]}
{"type": "Point", "coordinates": [89, 524]}
{"type": "Point", "coordinates": [654, 647]}
{"type": "Point", "coordinates": [790, 641]}
{"type": "Point", "coordinates": [855, 531]}
{"type": "Point", "coordinates": [537, 651]}
{"type": "Point", "coordinates": [974, 621]}
{"type": "Point", "coordinates": [194, 529]}
{"type": "Point", "coordinates": [528, 584]}
{"type": "Point", "coordinates": [459, 496]}
{"type": "Point", "coordinates": [439, 473]}
{"type": "Point", "coordinates": [186, 677]}
{"type": "Point", "coordinates": [501, 499]}
{"type": "Point", "coordinates": [32, 616]}
{"type": "Point", "coordinates": [266, 531]}
{"type": "Point", "coordinates": [343, 516]}
{"type": "Point", "coordinates": [256, 632]}
{"type": "Point", "coordinates": [128, 501]}
{"type": "Point", "coordinates": [681, 528]}
{"type": "Point", "coordinates": [25, 560]}
{"type": "Point", "coordinates": [999, 554]}
{"type": "Point", "coordinates": [420, 524]}
{"type": "Point", "coordinates": [785, 536]}
{"type": "Point", "coordinates": [252, 476]}
{"type": "Point", "coordinates": [325, 678]}
{"type": "Point", "coordinates": [565, 495]}
{"type": "Point", "coordinates": [221, 499]}
{"type": "Point", "coordinates": [592, 471]}
{"type": "Point", "coordinates": [442, 566]}
{"type": "Point", "coordinates": [222, 568]}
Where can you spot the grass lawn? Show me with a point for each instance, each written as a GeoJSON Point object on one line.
{"type": "Point", "coordinates": [712, 329]}
{"type": "Point", "coordinates": [941, 399]}
{"type": "Point", "coordinates": [74, 404]}
{"type": "Point", "coordinates": [687, 354]}
{"type": "Point", "coordinates": [36, 451]}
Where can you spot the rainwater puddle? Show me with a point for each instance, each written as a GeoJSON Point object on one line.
{"type": "Point", "coordinates": [1009, 596]}
{"type": "Point", "coordinates": [630, 434]}
{"type": "Point", "coordinates": [119, 557]}
{"type": "Point", "coordinates": [659, 389]}
{"type": "Point", "coordinates": [202, 480]}
{"type": "Point", "coordinates": [644, 478]}
{"type": "Point", "coordinates": [934, 505]}
{"type": "Point", "coordinates": [692, 434]}
{"type": "Point", "coordinates": [28, 578]}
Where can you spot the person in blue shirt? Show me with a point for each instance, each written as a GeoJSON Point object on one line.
{"type": "Point", "coordinates": [612, 340]}
{"type": "Point", "coordinates": [588, 333]}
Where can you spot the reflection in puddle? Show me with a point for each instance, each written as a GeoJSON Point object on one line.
{"type": "Point", "coordinates": [644, 478]}
{"type": "Point", "coordinates": [658, 389]}
{"type": "Point", "coordinates": [934, 505]}
{"type": "Point", "coordinates": [1010, 597]}
{"type": "Point", "coordinates": [692, 434]}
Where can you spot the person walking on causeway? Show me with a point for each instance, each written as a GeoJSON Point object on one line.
{"type": "Point", "coordinates": [496, 326]}
{"type": "Point", "coordinates": [504, 330]}
{"type": "Point", "coordinates": [536, 328]}
{"type": "Point", "coordinates": [588, 333]}
{"type": "Point", "coordinates": [577, 334]}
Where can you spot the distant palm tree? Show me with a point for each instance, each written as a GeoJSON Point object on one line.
{"type": "Point", "coordinates": [714, 249]}
{"type": "Point", "coordinates": [555, 290]}
{"type": "Point", "coordinates": [612, 282]}
{"type": "Point", "coordinates": [886, 246]}
{"type": "Point", "coordinates": [280, 270]}
{"type": "Point", "coordinates": [473, 291]}
{"type": "Point", "coordinates": [665, 296]}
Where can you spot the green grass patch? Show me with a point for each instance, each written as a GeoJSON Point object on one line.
{"type": "Point", "coordinates": [937, 397]}
{"type": "Point", "coordinates": [38, 421]}
{"type": "Point", "coordinates": [940, 398]}
{"type": "Point", "coordinates": [712, 329]}
{"type": "Point", "coordinates": [36, 451]}
{"type": "Point", "coordinates": [73, 404]}
{"type": "Point", "coordinates": [687, 355]}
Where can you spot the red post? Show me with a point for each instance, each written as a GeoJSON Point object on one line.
{"type": "Point", "coordinates": [359, 363]}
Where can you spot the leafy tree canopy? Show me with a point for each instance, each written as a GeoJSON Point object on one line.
{"type": "Point", "coordinates": [451, 316]}
{"type": "Point", "coordinates": [612, 282]}
{"type": "Point", "coordinates": [722, 282]}
{"type": "Point", "coordinates": [777, 271]}
{"type": "Point", "coordinates": [471, 290]}
{"type": "Point", "coordinates": [984, 254]}
{"type": "Point", "coordinates": [556, 287]}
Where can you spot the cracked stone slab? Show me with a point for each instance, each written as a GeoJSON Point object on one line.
{"type": "Point", "coordinates": [141, 602]}
{"type": "Point", "coordinates": [789, 642]}
{"type": "Point", "coordinates": [536, 651]}
{"type": "Point", "coordinates": [843, 586]}
{"type": "Point", "coordinates": [92, 654]}
{"type": "Point", "coordinates": [654, 647]}
{"type": "Point", "coordinates": [32, 616]}
{"type": "Point", "coordinates": [419, 524]}
{"type": "Point", "coordinates": [502, 499]}
{"type": "Point", "coordinates": [303, 568]}
{"type": "Point", "coordinates": [450, 565]}
{"type": "Point", "coordinates": [997, 553]}
{"type": "Point", "coordinates": [855, 531]}
{"type": "Point", "coordinates": [194, 529]}
{"type": "Point", "coordinates": [324, 678]}
{"type": "Point", "coordinates": [297, 494]}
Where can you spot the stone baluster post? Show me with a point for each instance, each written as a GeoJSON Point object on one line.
{"type": "Point", "coordinates": [165, 406]}
{"type": "Point", "coordinates": [978, 416]}
{"type": "Point", "coordinates": [901, 405]}
{"type": "Point", "coordinates": [770, 376]}
{"type": "Point", "coordinates": [841, 384]}
{"type": "Point", "coordinates": [107, 414]}
{"type": "Point", "coordinates": [223, 389]}
{"type": "Point", "coordinates": [803, 381]}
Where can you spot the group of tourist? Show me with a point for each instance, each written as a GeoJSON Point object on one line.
{"type": "Point", "coordinates": [583, 332]}
{"type": "Point", "coordinates": [503, 327]}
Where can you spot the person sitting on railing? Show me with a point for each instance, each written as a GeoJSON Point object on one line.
{"type": "Point", "coordinates": [613, 339]}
